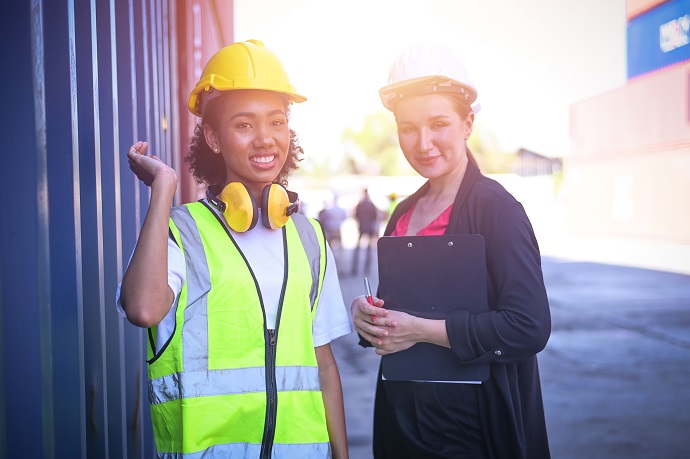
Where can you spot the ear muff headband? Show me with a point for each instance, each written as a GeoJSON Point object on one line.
{"type": "Point", "coordinates": [240, 207]}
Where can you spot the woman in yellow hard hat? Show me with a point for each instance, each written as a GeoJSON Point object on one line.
{"type": "Point", "coordinates": [494, 414]}
{"type": "Point", "coordinates": [239, 291]}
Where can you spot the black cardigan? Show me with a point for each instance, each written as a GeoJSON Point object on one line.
{"type": "Point", "coordinates": [515, 329]}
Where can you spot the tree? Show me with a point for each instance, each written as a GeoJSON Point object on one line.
{"type": "Point", "coordinates": [485, 147]}
{"type": "Point", "coordinates": [374, 148]}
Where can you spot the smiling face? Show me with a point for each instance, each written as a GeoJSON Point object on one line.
{"type": "Point", "coordinates": [252, 135]}
{"type": "Point", "coordinates": [433, 130]}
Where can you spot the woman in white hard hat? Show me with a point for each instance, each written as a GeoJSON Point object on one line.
{"type": "Point", "coordinates": [434, 104]}
{"type": "Point", "coordinates": [239, 291]}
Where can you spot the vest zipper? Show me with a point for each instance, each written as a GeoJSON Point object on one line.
{"type": "Point", "coordinates": [271, 384]}
{"type": "Point", "coordinates": [271, 396]}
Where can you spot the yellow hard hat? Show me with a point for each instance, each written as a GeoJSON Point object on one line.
{"type": "Point", "coordinates": [242, 65]}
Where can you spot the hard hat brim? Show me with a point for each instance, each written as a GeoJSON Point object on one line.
{"type": "Point", "coordinates": [391, 92]}
{"type": "Point", "coordinates": [194, 104]}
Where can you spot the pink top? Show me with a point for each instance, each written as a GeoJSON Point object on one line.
{"type": "Point", "coordinates": [435, 228]}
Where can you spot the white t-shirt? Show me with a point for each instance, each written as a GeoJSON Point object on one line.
{"type": "Point", "coordinates": [263, 248]}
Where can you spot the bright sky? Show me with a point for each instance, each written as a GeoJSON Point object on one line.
{"type": "Point", "coordinates": [530, 59]}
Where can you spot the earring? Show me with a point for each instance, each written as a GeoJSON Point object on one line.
{"type": "Point", "coordinates": [215, 150]}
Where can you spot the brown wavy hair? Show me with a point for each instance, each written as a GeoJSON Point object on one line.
{"type": "Point", "coordinates": [209, 168]}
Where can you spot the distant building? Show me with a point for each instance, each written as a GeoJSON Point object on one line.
{"type": "Point", "coordinates": [528, 164]}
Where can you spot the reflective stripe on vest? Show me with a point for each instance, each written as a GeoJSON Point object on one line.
{"type": "Point", "coordinates": [242, 450]}
{"type": "Point", "coordinates": [195, 346]}
{"type": "Point", "coordinates": [311, 245]}
{"type": "Point", "coordinates": [200, 384]}
{"type": "Point", "coordinates": [193, 382]}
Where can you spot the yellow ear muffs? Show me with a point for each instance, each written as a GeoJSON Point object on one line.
{"type": "Point", "coordinates": [240, 207]}
{"type": "Point", "coordinates": [274, 206]}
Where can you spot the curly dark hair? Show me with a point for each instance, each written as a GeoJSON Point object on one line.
{"type": "Point", "coordinates": [209, 168]}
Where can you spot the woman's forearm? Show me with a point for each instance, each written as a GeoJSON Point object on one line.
{"type": "Point", "coordinates": [145, 295]}
{"type": "Point", "coordinates": [332, 392]}
{"type": "Point", "coordinates": [432, 331]}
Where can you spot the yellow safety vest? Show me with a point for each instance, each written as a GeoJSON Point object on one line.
{"type": "Point", "coordinates": [224, 385]}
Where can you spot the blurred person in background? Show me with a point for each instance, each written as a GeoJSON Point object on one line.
{"type": "Point", "coordinates": [238, 290]}
{"type": "Point", "coordinates": [392, 203]}
{"type": "Point", "coordinates": [433, 101]}
{"type": "Point", "coordinates": [331, 218]}
{"type": "Point", "coordinates": [368, 225]}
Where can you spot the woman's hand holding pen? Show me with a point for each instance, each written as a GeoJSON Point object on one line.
{"type": "Point", "coordinates": [394, 331]}
{"type": "Point", "coordinates": [403, 334]}
{"type": "Point", "coordinates": [382, 333]}
{"type": "Point", "coordinates": [363, 314]}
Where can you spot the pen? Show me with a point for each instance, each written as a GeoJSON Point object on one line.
{"type": "Point", "coordinates": [370, 299]}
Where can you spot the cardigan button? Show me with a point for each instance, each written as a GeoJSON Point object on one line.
{"type": "Point", "coordinates": [498, 352]}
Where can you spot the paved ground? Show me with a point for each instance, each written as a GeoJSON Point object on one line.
{"type": "Point", "coordinates": [615, 373]}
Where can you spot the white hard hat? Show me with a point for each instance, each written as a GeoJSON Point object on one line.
{"type": "Point", "coordinates": [427, 68]}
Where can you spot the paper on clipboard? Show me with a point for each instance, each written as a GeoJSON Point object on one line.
{"type": "Point", "coordinates": [430, 276]}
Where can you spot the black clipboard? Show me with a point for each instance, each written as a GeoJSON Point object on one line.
{"type": "Point", "coordinates": [430, 276]}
